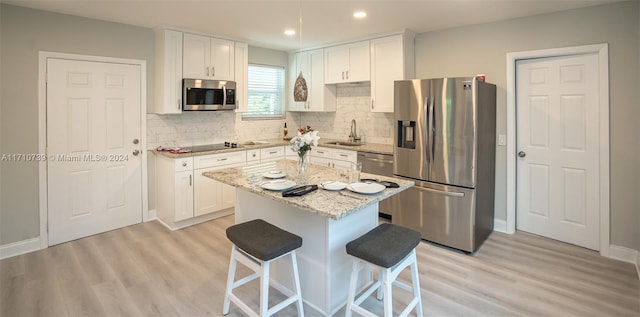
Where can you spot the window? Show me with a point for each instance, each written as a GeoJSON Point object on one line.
{"type": "Point", "coordinates": [265, 93]}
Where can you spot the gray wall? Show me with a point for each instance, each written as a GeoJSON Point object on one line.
{"type": "Point", "coordinates": [23, 33]}
{"type": "Point", "coordinates": [483, 49]}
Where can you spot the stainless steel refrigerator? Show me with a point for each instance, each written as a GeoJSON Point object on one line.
{"type": "Point", "coordinates": [445, 141]}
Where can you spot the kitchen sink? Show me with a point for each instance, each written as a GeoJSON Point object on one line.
{"type": "Point", "coordinates": [345, 143]}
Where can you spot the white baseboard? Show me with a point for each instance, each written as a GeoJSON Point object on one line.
{"type": "Point", "coordinates": [625, 254]}
{"type": "Point", "coordinates": [500, 225]}
{"type": "Point", "coordinates": [20, 247]}
{"type": "Point", "coordinates": [153, 215]}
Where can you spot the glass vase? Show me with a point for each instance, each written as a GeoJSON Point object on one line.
{"type": "Point", "coordinates": [302, 175]}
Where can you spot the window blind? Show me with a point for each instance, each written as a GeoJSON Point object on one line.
{"type": "Point", "coordinates": [265, 93]}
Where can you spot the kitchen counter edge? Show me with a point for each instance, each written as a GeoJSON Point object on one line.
{"type": "Point", "coordinates": [367, 147]}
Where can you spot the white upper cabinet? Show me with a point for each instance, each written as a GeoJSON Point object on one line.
{"type": "Point", "coordinates": [168, 73]}
{"type": "Point", "coordinates": [347, 63]}
{"type": "Point", "coordinates": [241, 75]}
{"type": "Point", "coordinates": [392, 58]}
{"type": "Point", "coordinates": [320, 97]}
{"type": "Point", "coordinates": [208, 58]}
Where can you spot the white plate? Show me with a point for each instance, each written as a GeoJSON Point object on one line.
{"type": "Point", "coordinates": [333, 185]}
{"type": "Point", "coordinates": [274, 174]}
{"type": "Point", "coordinates": [281, 184]}
{"type": "Point", "coordinates": [366, 188]}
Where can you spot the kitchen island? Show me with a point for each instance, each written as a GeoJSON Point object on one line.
{"type": "Point", "coordinates": [326, 220]}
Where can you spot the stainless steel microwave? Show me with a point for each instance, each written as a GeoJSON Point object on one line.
{"type": "Point", "coordinates": [200, 94]}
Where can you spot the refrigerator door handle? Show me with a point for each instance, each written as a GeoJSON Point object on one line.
{"type": "Point", "coordinates": [441, 192]}
{"type": "Point", "coordinates": [426, 134]}
{"type": "Point", "coordinates": [432, 128]}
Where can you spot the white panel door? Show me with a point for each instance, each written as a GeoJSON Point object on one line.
{"type": "Point", "coordinates": [94, 182]}
{"type": "Point", "coordinates": [558, 148]}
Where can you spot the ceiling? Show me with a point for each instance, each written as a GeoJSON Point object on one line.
{"type": "Point", "coordinates": [262, 22]}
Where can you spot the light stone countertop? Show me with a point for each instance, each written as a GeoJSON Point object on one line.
{"type": "Point", "coordinates": [331, 204]}
{"type": "Point", "coordinates": [367, 147]}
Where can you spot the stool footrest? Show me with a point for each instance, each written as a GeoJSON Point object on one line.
{"type": "Point", "coordinates": [409, 308]}
{"type": "Point", "coordinates": [372, 287]}
{"type": "Point", "coordinates": [282, 305]}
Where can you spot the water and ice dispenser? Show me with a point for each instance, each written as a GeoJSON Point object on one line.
{"type": "Point", "coordinates": [407, 134]}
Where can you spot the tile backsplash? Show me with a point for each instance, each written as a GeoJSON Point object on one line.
{"type": "Point", "coordinates": [206, 127]}
{"type": "Point", "coordinates": [353, 102]}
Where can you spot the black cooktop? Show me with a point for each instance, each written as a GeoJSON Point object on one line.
{"type": "Point", "coordinates": [211, 147]}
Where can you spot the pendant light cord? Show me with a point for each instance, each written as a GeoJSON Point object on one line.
{"type": "Point", "coordinates": [300, 15]}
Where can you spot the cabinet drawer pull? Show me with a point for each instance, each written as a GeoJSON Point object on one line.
{"type": "Point", "coordinates": [222, 159]}
{"type": "Point", "coordinates": [343, 155]}
{"type": "Point", "coordinates": [273, 152]}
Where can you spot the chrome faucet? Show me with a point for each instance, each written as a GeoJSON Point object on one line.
{"type": "Point", "coordinates": [353, 136]}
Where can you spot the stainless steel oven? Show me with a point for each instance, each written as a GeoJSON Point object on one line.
{"type": "Point", "coordinates": [199, 94]}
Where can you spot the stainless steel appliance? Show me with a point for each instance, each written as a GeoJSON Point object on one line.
{"type": "Point", "coordinates": [199, 94]}
{"type": "Point", "coordinates": [380, 164]}
{"type": "Point", "coordinates": [445, 141]}
{"type": "Point", "coordinates": [211, 147]}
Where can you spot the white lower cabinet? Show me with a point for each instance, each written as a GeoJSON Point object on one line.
{"type": "Point", "coordinates": [337, 158]}
{"type": "Point", "coordinates": [272, 154]}
{"type": "Point", "coordinates": [174, 184]}
{"type": "Point", "coordinates": [183, 187]}
{"type": "Point", "coordinates": [186, 197]}
{"type": "Point", "coordinates": [210, 195]}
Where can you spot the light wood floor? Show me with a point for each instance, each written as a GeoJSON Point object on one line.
{"type": "Point", "coordinates": [147, 270]}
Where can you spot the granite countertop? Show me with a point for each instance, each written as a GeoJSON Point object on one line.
{"type": "Point", "coordinates": [331, 204]}
{"type": "Point", "coordinates": [367, 147]}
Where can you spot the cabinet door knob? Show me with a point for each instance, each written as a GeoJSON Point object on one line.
{"type": "Point", "coordinates": [184, 164]}
{"type": "Point", "coordinates": [136, 152]}
{"type": "Point", "coordinates": [522, 154]}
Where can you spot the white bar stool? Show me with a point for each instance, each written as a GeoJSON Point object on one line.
{"type": "Point", "coordinates": [256, 244]}
{"type": "Point", "coordinates": [390, 249]}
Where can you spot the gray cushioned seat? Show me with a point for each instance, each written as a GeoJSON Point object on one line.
{"type": "Point", "coordinates": [385, 245]}
{"type": "Point", "coordinates": [262, 239]}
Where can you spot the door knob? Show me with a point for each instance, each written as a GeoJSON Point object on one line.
{"type": "Point", "coordinates": [522, 154]}
{"type": "Point", "coordinates": [136, 141]}
{"type": "Point", "coordinates": [136, 152]}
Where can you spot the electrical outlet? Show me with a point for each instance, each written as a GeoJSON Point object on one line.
{"type": "Point", "coordinates": [502, 139]}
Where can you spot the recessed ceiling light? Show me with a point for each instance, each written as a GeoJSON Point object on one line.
{"type": "Point", "coordinates": [359, 14]}
{"type": "Point", "coordinates": [289, 32]}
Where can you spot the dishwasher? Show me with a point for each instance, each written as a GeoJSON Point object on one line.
{"type": "Point", "coordinates": [380, 164]}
